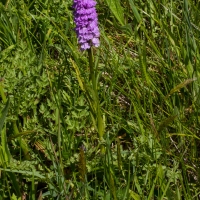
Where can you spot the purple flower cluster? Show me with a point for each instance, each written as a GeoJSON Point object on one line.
{"type": "Point", "coordinates": [85, 17]}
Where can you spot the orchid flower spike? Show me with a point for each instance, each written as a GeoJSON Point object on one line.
{"type": "Point", "coordinates": [86, 20]}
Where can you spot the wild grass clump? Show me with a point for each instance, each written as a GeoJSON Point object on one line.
{"type": "Point", "coordinates": [127, 128]}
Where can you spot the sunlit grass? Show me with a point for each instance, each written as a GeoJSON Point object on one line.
{"type": "Point", "coordinates": [148, 89]}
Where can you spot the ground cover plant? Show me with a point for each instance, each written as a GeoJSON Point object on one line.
{"type": "Point", "coordinates": [127, 128]}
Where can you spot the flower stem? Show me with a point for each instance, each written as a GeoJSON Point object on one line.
{"type": "Point", "coordinates": [3, 96]}
{"type": "Point", "coordinates": [92, 72]}
{"type": "Point", "coordinates": [98, 117]}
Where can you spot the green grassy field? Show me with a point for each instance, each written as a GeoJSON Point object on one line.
{"type": "Point", "coordinates": [133, 132]}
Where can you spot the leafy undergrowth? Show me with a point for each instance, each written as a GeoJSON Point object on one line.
{"type": "Point", "coordinates": [147, 77]}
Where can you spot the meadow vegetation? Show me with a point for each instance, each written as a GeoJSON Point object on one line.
{"type": "Point", "coordinates": [147, 85]}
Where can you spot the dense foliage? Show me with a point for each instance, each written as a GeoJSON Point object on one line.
{"type": "Point", "coordinates": [147, 76]}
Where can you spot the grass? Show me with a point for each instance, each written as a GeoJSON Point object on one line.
{"type": "Point", "coordinates": [130, 133]}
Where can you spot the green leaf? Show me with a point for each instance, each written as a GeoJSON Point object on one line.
{"type": "Point", "coordinates": [14, 197]}
{"type": "Point", "coordinates": [117, 10]}
{"type": "Point", "coordinates": [166, 122]}
{"type": "Point", "coordinates": [134, 195]}
{"type": "Point", "coordinates": [135, 11]}
{"type": "Point", "coordinates": [3, 114]}
{"type": "Point", "coordinates": [5, 150]}
{"type": "Point", "coordinates": [27, 173]}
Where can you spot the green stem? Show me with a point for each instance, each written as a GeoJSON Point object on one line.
{"type": "Point", "coordinates": [3, 96]}
{"type": "Point", "coordinates": [98, 117]}
{"type": "Point", "coordinates": [92, 72]}
{"type": "Point", "coordinates": [22, 143]}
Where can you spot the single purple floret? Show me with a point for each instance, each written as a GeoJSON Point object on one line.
{"type": "Point", "coordinates": [86, 20]}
